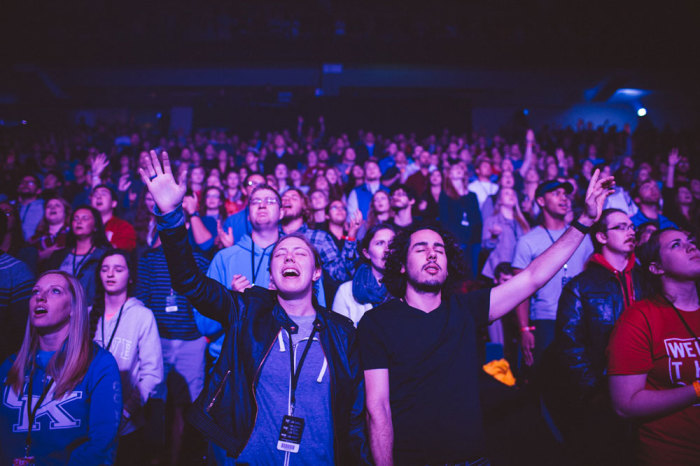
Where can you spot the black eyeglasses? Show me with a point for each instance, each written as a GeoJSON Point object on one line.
{"type": "Point", "coordinates": [623, 227]}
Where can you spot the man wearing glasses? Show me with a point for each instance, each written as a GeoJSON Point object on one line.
{"type": "Point", "coordinates": [238, 225]}
{"type": "Point", "coordinates": [589, 306]}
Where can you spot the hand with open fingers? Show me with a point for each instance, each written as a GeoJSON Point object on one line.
{"type": "Point", "coordinates": [598, 190]}
{"type": "Point", "coordinates": [98, 164]}
{"type": "Point", "coordinates": [240, 283]}
{"type": "Point", "coordinates": [124, 183]}
{"type": "Point", "coordinates": [189, 204]}
{"type": "Point", "coordinates": [225, 237]}
{"type": "Point", "coordinates": [674, 157]}
{"type": "Point", "coordinates": [159, 180]}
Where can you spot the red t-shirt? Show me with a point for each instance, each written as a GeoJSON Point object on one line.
{"type": "Point", "coordinates": [120, 234]}
{"type": "Point", "coordinates": [649, 338]}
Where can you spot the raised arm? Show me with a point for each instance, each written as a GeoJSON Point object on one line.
{"type": "Point", "coordinates": [508, 295]}
{"type": "Point", "coordinates": [211, 298]}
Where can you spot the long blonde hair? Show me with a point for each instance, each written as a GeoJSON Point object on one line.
{"type": "Point", "coordinates": [69, 364]}
{"type": "Point", "coordinates": [517, 212]}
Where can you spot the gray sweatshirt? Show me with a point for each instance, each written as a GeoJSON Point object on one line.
{"type": "Point", "coordinates": [136, 347]}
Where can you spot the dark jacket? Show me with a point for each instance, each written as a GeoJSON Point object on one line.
{"type": "Point", "coordinates": [226, 409]}
{"type": "Point", "coordinates": [589, 306]}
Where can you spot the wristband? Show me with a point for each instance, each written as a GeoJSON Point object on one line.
{"type": "Point", "coordinates": [696, 386]}
{"type": "Point", "coordinates": [527, 329]}
{"type": "Point", "coordinates": [581, 227]}
{"type": "Point", "coordinates": [347, 238]}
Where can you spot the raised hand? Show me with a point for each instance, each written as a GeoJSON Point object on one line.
{"type": "Point", "coordinates": [353, 226]}
{"type": "Point", "coordinates": [124, 182]}
{"type": "Point", "coordinates": [98, 164]}
{"type": "Point", "coordinates": [674, 157]}
{"type": "Point", "coordinates": [598, 190]}
{"type": "Point", "coordinates": [166, 192]}
{"type": "Point", "coordinates": [530, 136]}
{"type": "Point", "coordinates": [225, 237]}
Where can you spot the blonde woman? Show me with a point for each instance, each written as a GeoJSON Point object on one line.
{"type": "Point", "coordinates": [61, 395]}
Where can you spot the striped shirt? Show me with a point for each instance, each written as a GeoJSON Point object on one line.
{"type": "Point", "coordinates": [153, 288]}
{"type": "Point", "coordinates": [16, 283]}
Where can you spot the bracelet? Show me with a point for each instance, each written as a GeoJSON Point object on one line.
{"type": "Point", "coordinates": [696, 386]}
{"type": "Point", "coordinates": [527, 329]}
{"type": "Point", "coordinates": [581, 227]}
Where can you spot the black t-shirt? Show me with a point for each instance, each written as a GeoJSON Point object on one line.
{"type": "Point", "coordinates": [433, 375]}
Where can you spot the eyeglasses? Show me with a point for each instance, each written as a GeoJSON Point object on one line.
{"type": "Point", "coordinates": [259, 201]}
{"type": "Point", "coordinates": [253, 183]}
{"type": "Point", "coordinates": [623, 227]}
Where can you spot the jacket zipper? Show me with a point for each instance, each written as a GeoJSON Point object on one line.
{"type": "Point", "coordinates": [218, 390]}
{"type": "Point", "coordinates": [255, 382]}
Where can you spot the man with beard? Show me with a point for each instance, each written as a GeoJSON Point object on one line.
{"type": "Point", "coordinates": [402, 200]}
{"type": "Point", "coordinates": [338, 266]}
{"type": "Point", "coordinates": [419, 351]}
{"type": "Point", "coordinates": [648, 200]}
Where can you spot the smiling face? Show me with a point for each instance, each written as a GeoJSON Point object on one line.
{"type": "Point", "coordinates": [679, 256]}
{"type": "Point", "coordinates": [83, 223]}
{"type": "Point", "coordinates": [55, 212]}
{"type": "Point", "coordinates": [114, 274]}
{"type": "Point", "coordinates": [426, 261]}
{"type": "Point", "coordinates": [50, 304]}
{"type": "Point", "coordinates": [293, 267]}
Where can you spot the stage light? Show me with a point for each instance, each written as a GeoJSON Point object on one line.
{"type": "Point", "coordinates": [641, 112]}
{"type": "Point", "coordinates": [526, 112]}
{"type": "Point", "coordinates": [159, 115]}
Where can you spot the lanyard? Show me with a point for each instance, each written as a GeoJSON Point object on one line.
{"type": "Point", "coordinates": [31, 413]}
{"type": "Point", "coordinates": [254, 270]}
{"type": "Point", "coordinates": [680, 316]}
{"type": "Point", "coordinates": [566, 266]}
{"type": "Point", "coordinates": [114, 332]}
{"type": "Point", "coordinates": [80, 264]}
{"type": "Point", "coordinates": [295, 374]}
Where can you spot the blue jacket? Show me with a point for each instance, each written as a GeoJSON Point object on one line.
{"type": "Point", "coordinates": [80, 428]}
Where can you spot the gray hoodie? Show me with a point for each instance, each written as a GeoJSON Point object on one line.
{"type": "Point", "coordinates": [136, 347]}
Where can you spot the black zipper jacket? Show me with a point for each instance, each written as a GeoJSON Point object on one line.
{"type": "Point", "coordinates": [226, 410]}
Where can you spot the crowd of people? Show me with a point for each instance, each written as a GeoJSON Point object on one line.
{"type": "Point", "coordinates": [175, 271]}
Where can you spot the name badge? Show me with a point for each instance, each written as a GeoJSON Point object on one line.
{"type": "Point", "coordinates": [26, 461]}
{"type": "Point", "coordinates": [171, 303]}
{"type": "Point", "coordinates": [290, 434]}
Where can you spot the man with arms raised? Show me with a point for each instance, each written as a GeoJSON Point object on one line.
{"type": "Point", "coordinates": [419, 352]}
{"type": "Point", "coordinates": [269, 399]}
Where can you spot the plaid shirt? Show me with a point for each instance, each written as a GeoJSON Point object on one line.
{"type": "Point", "coordinates": [339, 265]}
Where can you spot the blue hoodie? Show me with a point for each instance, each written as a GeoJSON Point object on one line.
{"type": "Point", "coordinates": [79, 428]}
{"type": "Point", "coordinates": [236, 260]}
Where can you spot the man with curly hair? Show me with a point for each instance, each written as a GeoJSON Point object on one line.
{"type": "Point", "coordinates": [419, 351]}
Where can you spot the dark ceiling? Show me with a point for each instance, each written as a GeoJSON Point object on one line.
{"type": "Point", "coordinates": [641, 34]}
